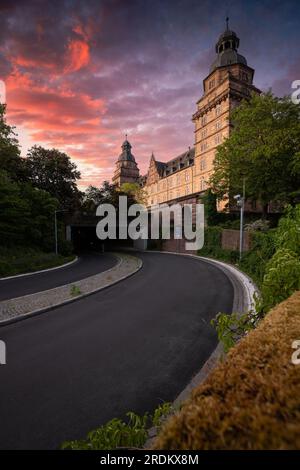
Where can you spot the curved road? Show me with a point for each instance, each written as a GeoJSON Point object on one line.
{"type": "Point", "coordinates": [128, 347]}
{"type": "Point", "coordinates": [87, 265]}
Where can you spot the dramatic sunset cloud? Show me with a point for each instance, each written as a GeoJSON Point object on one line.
{"type": "Point", "coordinates": [81, 74]}
{"type": "Point", "coordinates": [78, 55]}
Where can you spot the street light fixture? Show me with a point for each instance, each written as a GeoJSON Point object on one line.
{"type": "Point", "coordinates": [55, 228]}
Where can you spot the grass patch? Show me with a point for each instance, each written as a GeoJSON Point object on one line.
{"type": "Point", "coordinates": [19, 260]}
{"type": "Point", "coordinates": [75, 290]}
{"type": "Point", "coordinates": [251, 400]}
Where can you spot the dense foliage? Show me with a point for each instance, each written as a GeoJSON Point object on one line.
{"type": "Point", "coordinates": [282, 274]}
{"type": "Point", "coordinates": [31, 189]}
{"type": "Point", "coordinates": [26, 214]}
{"type": "Point", "coordinates": [53, 171]}
{"type": "Point", "coordinates": [274, 263]}
{"type": "Point", "coordinates": [263, 149]}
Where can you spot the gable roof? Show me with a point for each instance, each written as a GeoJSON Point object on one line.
{"type": "Point", "coordinates": [184, 160]}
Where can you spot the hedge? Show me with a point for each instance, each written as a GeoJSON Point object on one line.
{"type": "Point", "coordinates": [249, 401]}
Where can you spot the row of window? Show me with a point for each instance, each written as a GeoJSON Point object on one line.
{"type": "Point", "coordinates": [173, 194]}
{"type": "Point", "coordinates": [218, 110]}
{"type": "Point", "coordinates": [176, 180]}
{"type": "Point", "coordinates": [216, 127]}
{"type": "Point", "coordinates": [186, 178]}
{"type": "Point", "coordinates": [217, 141]}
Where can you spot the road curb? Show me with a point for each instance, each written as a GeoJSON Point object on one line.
{"type": "Point", "coordinates": [36, 312]}
{"type": "Point", "coordinates": [244, 288]}
{"type": "Point", "coordinates": [41, 271]}
{"type": "Point", "coordinates": [244, 295]}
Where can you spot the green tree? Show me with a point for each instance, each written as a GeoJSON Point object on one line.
{"type": "Point", "coordinates": [13, 211]}
{"type": "Point", "coordinates": [264, 149]}
{"type": "Point", "coordinates": [40, 216]}
{"type": "Point", "coordinates": [134, 192]}
{"type": "Point", "coordinates": [94, 196]}
{"type": "Point", "coordinates": [27, 214]}
{"type": "Point", "coordinates": [53, 171]}
{"type": "Point", "coordinates": [212, 216]}
{"type": "Point", "coordinates": [10, 159]}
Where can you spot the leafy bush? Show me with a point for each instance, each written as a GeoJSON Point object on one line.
{"type": "Point", "coordinates": [282, 273]}
{"type": "Point", "coordinates": [253, 261]}
{"type": "Point", "coordinates": [262, 249]}
{"type": "Point", "coordinates": [288, 232]}
{"type": "Point", "coordinates": [119, 434]}
{"type": "Point", "coordinates": [161, 412]}
{"type": "Point", "coordinates": [230, 328]}
{"type": "Point", "coordinates": [282, 278]}
{"type": "Point", "coordinates": [274, 263]}
{"type": "Point", "coordinates": [116, 433]}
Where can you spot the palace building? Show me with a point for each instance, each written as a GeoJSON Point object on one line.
{"type": "Point", "coordinates": [185, 178]}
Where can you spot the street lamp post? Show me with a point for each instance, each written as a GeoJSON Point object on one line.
{"type": "Point", "coordinates": [240, 200]}
{"type": "Point", "coordinates": [55, 228]}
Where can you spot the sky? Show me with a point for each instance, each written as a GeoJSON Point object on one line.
{"type": "Point", "coordinates": [80, 75]}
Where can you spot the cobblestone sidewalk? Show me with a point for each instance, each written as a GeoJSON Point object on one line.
{"type": "Point", "coordinates": [20, 307]}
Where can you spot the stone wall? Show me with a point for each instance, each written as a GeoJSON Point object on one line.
{"type": "Point", "coordinates": [231, 240]}
{"type": "Point", "coordinates": [175, 246]}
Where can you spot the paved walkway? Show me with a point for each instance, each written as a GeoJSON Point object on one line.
{"type": "Point", "coordinates": [19, 307]}
{"type": "Point", "coordinates": [88, 264]}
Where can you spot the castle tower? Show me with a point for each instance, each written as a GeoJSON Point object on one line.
{"type": "Point", "coordinates": [126, 168]}
{"type": "Point", "coordinates": [229, 81]}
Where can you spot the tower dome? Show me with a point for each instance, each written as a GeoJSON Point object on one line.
{"type": "Point", "coordinates": [226, 49]}
{"type": "Point", "coordinates": [126, 170]}
{"type": "Point", "coordinates": [126, 154]}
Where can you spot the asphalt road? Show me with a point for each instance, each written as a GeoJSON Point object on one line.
{"type": "Point", "coordinates": [87, 265]}
{"type": "Point", "coordinates": [126, 348]}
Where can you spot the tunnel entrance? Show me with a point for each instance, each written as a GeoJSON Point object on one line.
{"type": "Point", "coordinates": [84, 238]}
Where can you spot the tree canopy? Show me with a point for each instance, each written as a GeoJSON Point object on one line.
{"type": "Point", "coordinates": [54, 172]}
{"type": "Point", "coordinates": [31, 190]}
{"type": "Point", "coordinates": [26, 214]}
{"type": "Point", "coordinates": [134, 191]}
{"type": "Point", "coordinates": [263, 148]}
{"type": "Point", "coordinates": [109, 193]}
{"type": "Point", "coordinates": [10, 159]}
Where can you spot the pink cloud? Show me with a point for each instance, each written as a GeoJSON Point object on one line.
{"type": "Point", "coordinates": [77, 56]}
